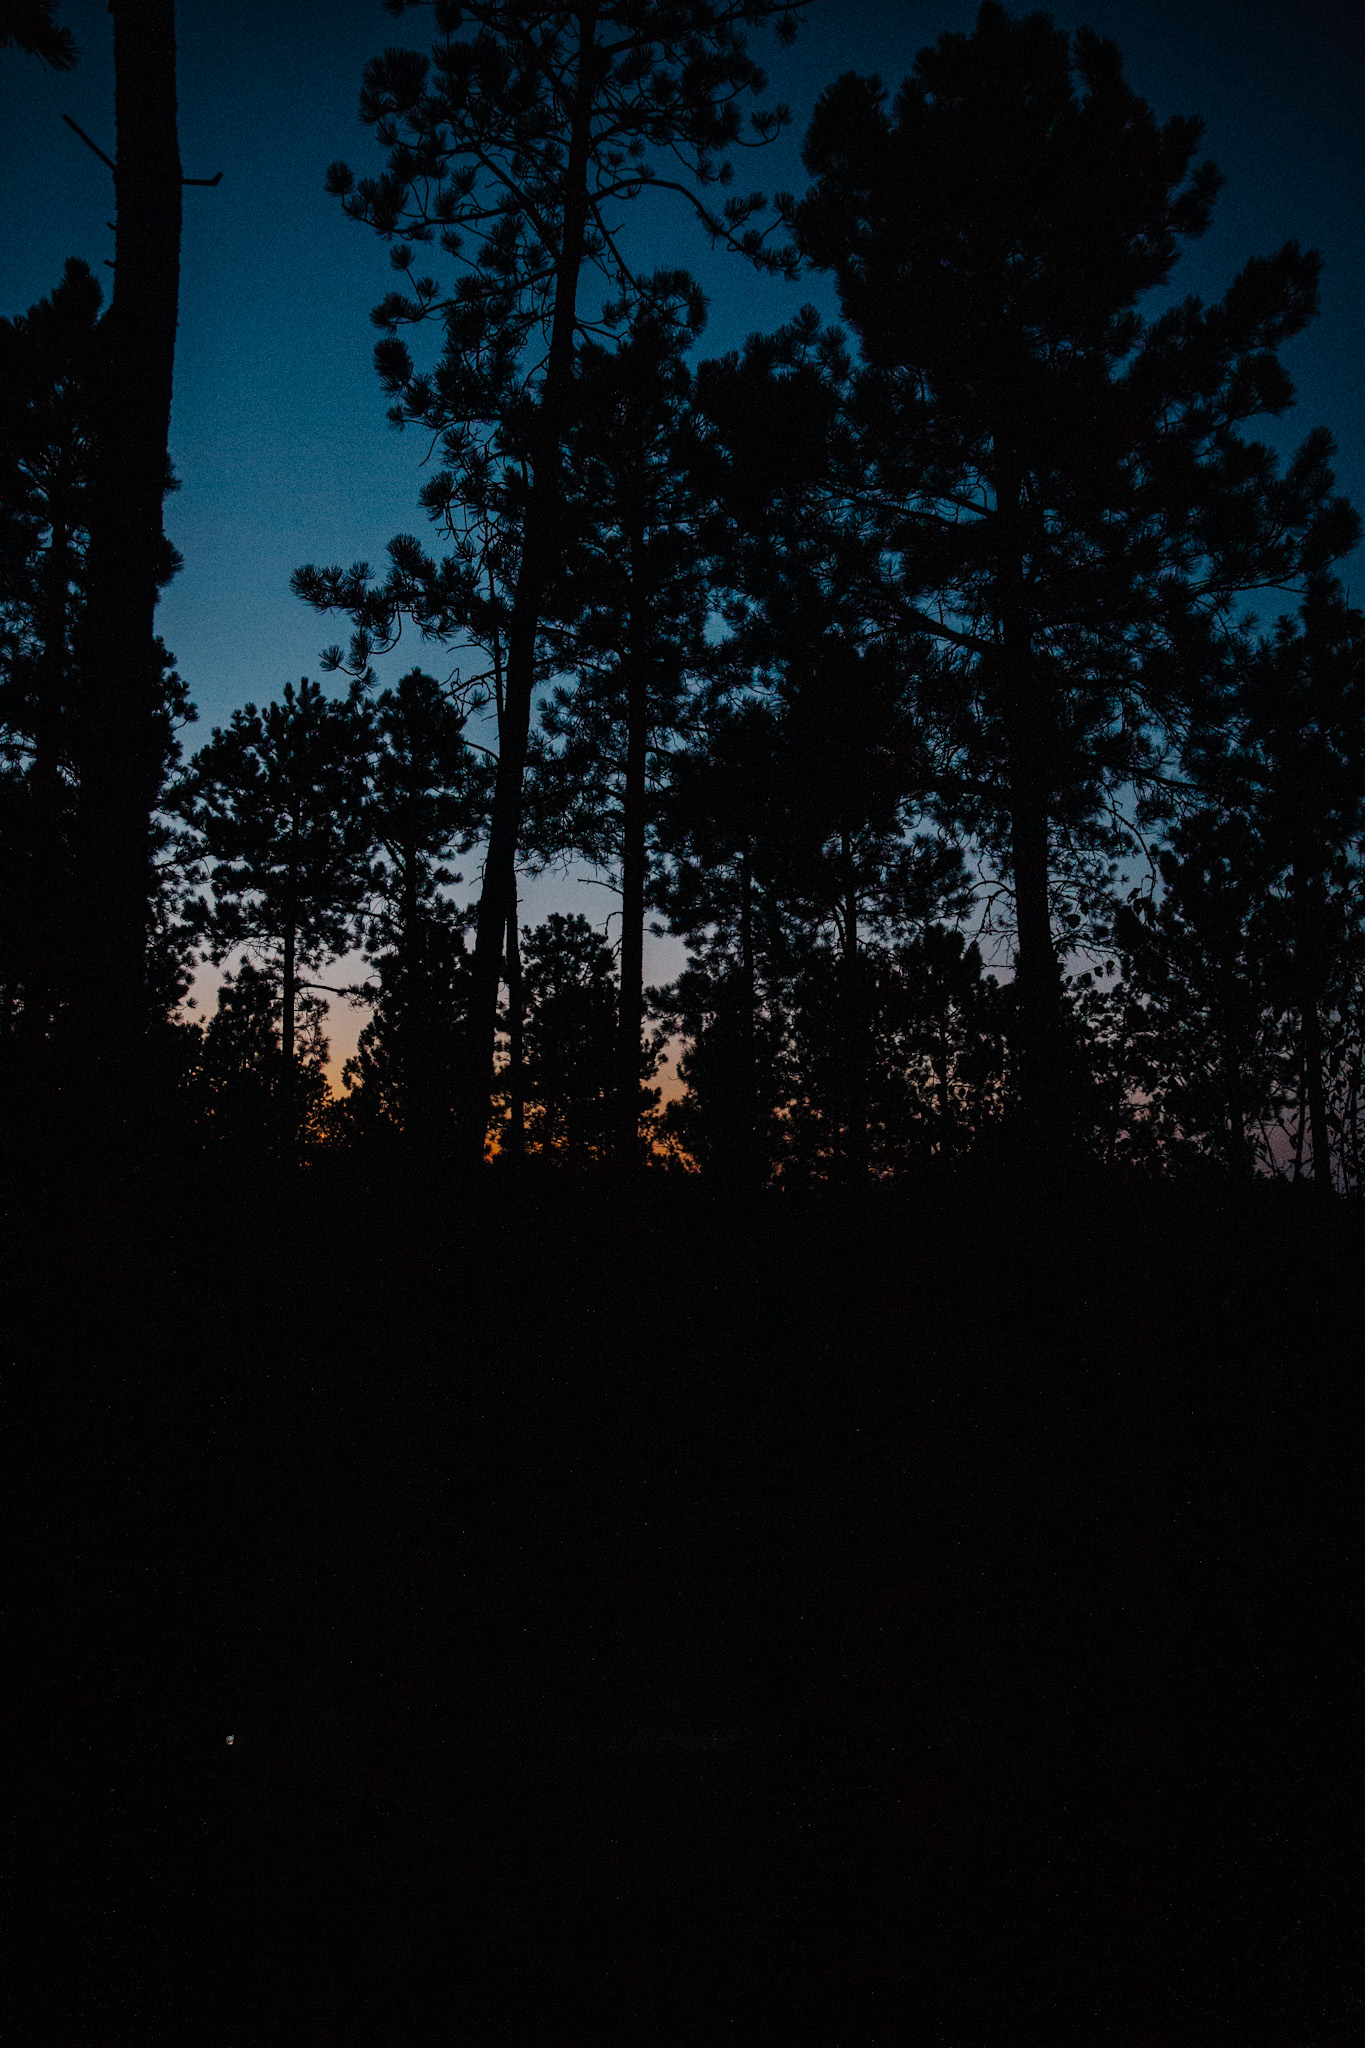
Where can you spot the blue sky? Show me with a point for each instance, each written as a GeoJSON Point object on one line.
{"type": "Point", "coordinates": [279, 434]}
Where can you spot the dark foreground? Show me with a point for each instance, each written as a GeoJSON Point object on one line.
{"type": "Point", "coordinates": [660, 1623]}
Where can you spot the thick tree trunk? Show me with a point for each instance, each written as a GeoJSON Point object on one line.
{"type": "Point", "coordinates": [634, 884]}
{"type": "Point", "coordinates": [118, 754]}
{"type": "Point", "coordinates": [497, 900]}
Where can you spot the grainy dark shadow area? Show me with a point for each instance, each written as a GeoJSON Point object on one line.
{"type": "Point", "coordinates": [925, 1621]}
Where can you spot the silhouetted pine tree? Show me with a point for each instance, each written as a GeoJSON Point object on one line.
{"type": "Point", "coordinates": [128, 558]}
{"type": "Point", "coordinates": [47, 398]}
{"type": "Point", "coordinates": [846, 737]}
{"type": "Point", "coordinates": [426, 801]}
{"type": "Point", "coordinates": [1240, 1012]}
{"type": "Point", "coordinates": [464, 595]}
{"type": "Point", "coordinates": [1065, 490]}
{"type": "Point", "coordinates": [29, 25]}
{"type": "Point", "coordinates": [403, 1078]}
{"type": "Point", "coordinates": [628, 620]}
{"type": "Point", "coordinates": [923, 1013]}
{"type": "Point", "coordinates": [572, 1003]}
{"type": "Point", "coordinates": [802, 581]}
{"type": "Point", "coordinates": [277, 803]}
{"type": "Point", "coordinates": [1301, 757]}
{"type": "Point", "coordinates": [236, 1076]}
{"type": "Point", "coordinates": [515, 146]}
{"type": "Point", "coordinates": [1201, 1046]}
{"type": "Point", "coordinates": [715, 883]}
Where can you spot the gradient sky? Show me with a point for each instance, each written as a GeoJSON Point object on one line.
{"type": "Point", "coordinates": [278, 432]}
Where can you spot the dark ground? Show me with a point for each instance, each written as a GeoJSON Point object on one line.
{"type": "Point", "coordinates": [930, 1623]}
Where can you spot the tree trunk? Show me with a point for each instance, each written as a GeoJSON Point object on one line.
{"type": "Point", "coordinates": [497, 900]}
{"type": "Point", "coordinates": [119, 748]}
{"type": "Point", "coordinates": [634, 882]}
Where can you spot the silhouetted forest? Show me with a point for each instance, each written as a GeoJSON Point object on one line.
{"type": "Point", "coordinates": [807, 1501]}
{"type": "Point", "coordinates": [968, 686]}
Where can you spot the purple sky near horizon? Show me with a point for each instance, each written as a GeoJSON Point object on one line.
{"type": "Point", "coordinates": [279, 433]}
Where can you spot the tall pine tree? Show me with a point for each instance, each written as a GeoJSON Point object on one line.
{"type": "Point", "coordinates": [514, 147]}
{"type": "Point", "coordinates": [1065, 488]}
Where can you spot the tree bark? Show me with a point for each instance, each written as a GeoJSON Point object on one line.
{"type": "Point", "coordinates": [119, 748]}
{"type": "Point", "coordinates": [497, 899]}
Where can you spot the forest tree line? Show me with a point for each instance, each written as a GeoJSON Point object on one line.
{"type": "Point", "coordinates": [982, 631]}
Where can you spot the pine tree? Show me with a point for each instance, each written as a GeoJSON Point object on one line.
{"type": "Point", "coordinates": [514, 147]}
{"type": "Point", "coordinates": [50, 380]}
{"type": "Point", "coordinates": [29, 25]}
{"type": "Point", "coordinates": [48, 360]}
{"type": "Point", "coordinates": [628, 620]}
{"type": "Point", "coordinates": [572, 1006]}
{"type": "Point", "coordinates": [1065, 489]}
{"type": "Point", "coordinates": [128, 557]}
{"type": "Point", "coordinates": [426, 803]}
{"type": "Point", "coordinates": [801, 590]}
{"type": "Point", "coordinates": [1202, 1043]}
{"type": "Point", "coordinates": [846, 736]}
{"type": "Point", "coordinates": [1299, 758]}
{"type": "Point", "coordinates": [1242, 988]}
{"type": "Point", "coordinates": [238, 1068]}
{"type": "Point", "coordinates": [277, 803]}
{"type": "Point", "coordinates": [716, 884]}
{"type": "Point", "coordinates": [402, 1081]}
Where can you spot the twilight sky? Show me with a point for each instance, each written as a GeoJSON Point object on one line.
{"type": "Point", "coordinates": [279, 435]}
